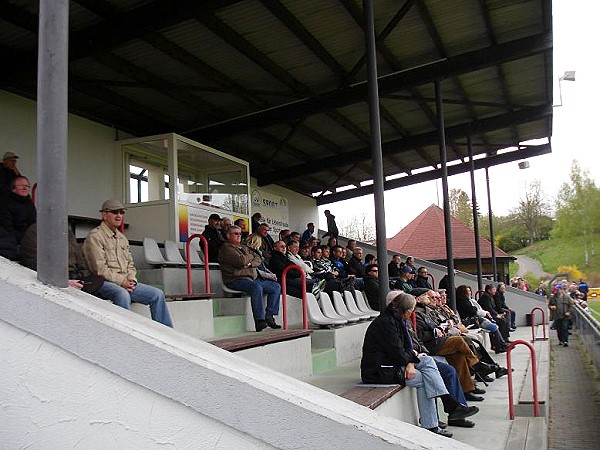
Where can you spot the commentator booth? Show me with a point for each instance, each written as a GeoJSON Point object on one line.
{"type": "Point", "coordinates": [207, 181]}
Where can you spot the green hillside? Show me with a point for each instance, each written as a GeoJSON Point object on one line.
{"type": "Point", "coordinates": [558, 252]}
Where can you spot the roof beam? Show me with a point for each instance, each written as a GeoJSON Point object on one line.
{"type": "Point", "coordinates": [408, 143]}
{"type": "Point", "coordinates": [448, 67]}
{"type": "Point", "coordinates": [516, 155]}
{"type": "Point", "coordinates": [110, 33]}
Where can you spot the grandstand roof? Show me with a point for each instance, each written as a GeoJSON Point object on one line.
{"type": "Point", "coordinates": [425, 238]}
{"type": "Point", "coordinates": [281, 83]}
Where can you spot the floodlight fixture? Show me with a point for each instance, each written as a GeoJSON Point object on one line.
{"type": "Point", "coordinates": [569, 75]}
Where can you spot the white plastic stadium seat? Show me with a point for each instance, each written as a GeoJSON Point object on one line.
{"type": "Point", "coordinates": [351, 305]}
{"type": "Point", "coordinates": [152, 253]}
{"type": "Point", "coordinates": [315, 315]}
{"type": "Point", "coordinates": [329, 310]}
{"type": "Point", "coordinates": [172, 252]}
{"type": "Point", "coordinates": [342, 310]}
{"type": "Point", "coordinates": [363, 306]}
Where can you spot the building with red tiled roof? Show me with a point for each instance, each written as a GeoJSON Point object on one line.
{"type": "Point", "coordinates": [424, 238]}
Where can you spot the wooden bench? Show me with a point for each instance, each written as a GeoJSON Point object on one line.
{"type": "Point", "coordinates": [192, 296]}
{"type": "Point", "coordinates": [371, 395]}
{"type": "Point", "coordinates": [237, 343]}
{"type": "Point", "coordinates": [527, 433]}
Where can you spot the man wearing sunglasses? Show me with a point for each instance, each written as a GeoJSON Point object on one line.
{"type": "Point", "coordinates": [107, 253]}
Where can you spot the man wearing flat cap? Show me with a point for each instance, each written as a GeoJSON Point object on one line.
{"type": "Point", "coordinates": [212, 233]}
{"type": "Point", "coordinates": [8, 172]}
{"type": "Point", "coordinates": [107, 253]}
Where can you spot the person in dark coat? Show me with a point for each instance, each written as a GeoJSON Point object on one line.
{"type": "Point", "coordinates": [388, 350]}
{"type": "Point", "coordinates": [79, 275]}
{"type": "Point", "coordinates": [332, 229]}
{"type": "Point", "coordinates": [371, 286]}
{"type": "Point", "coordinates": [16, 216]}
{"type": "Point", "coordinates": [213, 236]}
{"type": "Point", "coordinates": [422, 281]}
{"type": "Point", "coordinates": [277, 264]}
{"type": "Point", "coordinates": [8, 173]}
{"type": "Point", "coordinates": [486, 301]}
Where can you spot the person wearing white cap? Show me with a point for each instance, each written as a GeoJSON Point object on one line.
{"type": "Point", "coordinates": [8, 172]}
{"type": "Point", "coordinates": [107, 253]}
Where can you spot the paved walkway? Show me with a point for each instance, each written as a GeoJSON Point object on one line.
{"type": "Point", "coordinates": [574, 421]}
{"type": "Point", "coordinates": [530, 266]}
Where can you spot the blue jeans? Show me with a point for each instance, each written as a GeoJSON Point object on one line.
{"type": "Point", "coordinates": [256, 289]}
{"type": "Point", "coordinates": [451, 381]}
{"type": "Point", "coordinates": [147, 295]}
{"type": "Point", "coordinates": [429, 385]}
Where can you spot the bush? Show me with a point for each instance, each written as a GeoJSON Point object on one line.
{"type": "Point", "coordinates": [574, 273]}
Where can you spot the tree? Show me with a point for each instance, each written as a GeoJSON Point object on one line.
{"type": "Point", "coordinates": [577, 209]}
{"type": "Point", "coordinates": [531, 211]}
{"type": "Point", "coordinates": [460, 206]}
{"type": "Point", "coordinates": [360, 228]}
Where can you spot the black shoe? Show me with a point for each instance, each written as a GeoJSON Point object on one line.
{"type": "Point", "coordinates": [482, 368]}
{"type": "Point", "coordinates": [501, 350]}
{"type": "Point", "coordinates": [461, 423]}
{"type": "Point", "coordinates": [260, 324]}
{"type": "Point", "coordinates": [462, 412]}
{"type": "Point", "coordinates": [478, 391]}
{"type": "Point", "coordinates": [472, 397]}
{"type": "Point", "coordinates": [441, 432]}
{"type": "Point", "coordinates": [271, 323]}
{"type": "Point", "coordinates": [565, 344]}
{"type": "Point", "coordinates": [501, 371]}
{"type": "Point", "coordinates": [442, 425]}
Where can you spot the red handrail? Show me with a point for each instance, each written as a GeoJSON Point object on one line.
{"type": "Point", "coordinates": [477, 295]}
{"type": "Point", "coordinates": [533, 338]}
{"type": "Point", "coordinates": [284, 295]}
{"type": "Point", "coordinates": [33, 192]}
{"type": "Point", "coordinates": [413, 318]}
{"type": "Point", "coordinates": [536, 405]}
{"type": "Point", "coordinates": [432, 281]}
{"type": "Point", "coordinates": [189, 262]}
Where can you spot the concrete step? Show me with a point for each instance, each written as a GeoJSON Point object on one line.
{"type": "Point", "coordinates": [229, 325]}
{"type": "Point", "coordinates": [323, 359]}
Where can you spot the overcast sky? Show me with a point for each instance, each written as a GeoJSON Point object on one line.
{"type": "Point", "coordinates": [574, 137]}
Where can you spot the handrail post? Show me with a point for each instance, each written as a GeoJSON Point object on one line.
{"type": "Point", "coordinates": [188, 264]}
{"type": "Point", "coordinates": [284, 295]}
{"type": "Point", "coordinates": [477, 295]}
{"type": "Point", "coordinates": [532, 315]}
{"type": "Point", "coordinates": [536, 404]}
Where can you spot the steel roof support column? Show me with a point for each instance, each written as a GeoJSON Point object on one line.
{"type": "Point", "coordinates": [376, 154]}
{"type": "Point", "coordinates": [447, 221]}
{"type": "Point", "coordinates": [491, 216]}
{"type": "Point", "coordinates": [52, 94]}
{"type": "Point", "coordinates": [475, 213]}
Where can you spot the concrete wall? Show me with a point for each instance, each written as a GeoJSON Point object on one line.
{"type": "Point", "coordinates": [92, 164]}
{"type": "Point", "coordinates": [78, 371]}
{"type": "Point", "coordinates": [302, 209]}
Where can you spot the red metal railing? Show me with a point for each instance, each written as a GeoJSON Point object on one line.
{"type": "Point", "coordinates": [33, 192]}
{"type": "Point", "coordinates": [188, 251]}
{"type": "Point", "coordinates": [284, 295]}
{"type": "Point", "coordinates": [536, 404]}
{"type": "Point", "coordinates": [477, 295]}
{"type": "Point", "coordinates": [413, 318]}
{"type": "Point", "coordinates": [532, 314]}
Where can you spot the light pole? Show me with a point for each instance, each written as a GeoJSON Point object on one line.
{"type": "Point", "coordinates": [569, 75]}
